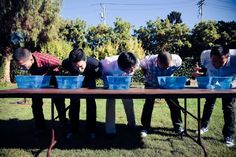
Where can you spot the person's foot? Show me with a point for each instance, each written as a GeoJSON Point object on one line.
{"type": "Point", "coordinates": [202, 130]}
{"type": "Point", "coordinates": [229, 141]}
{"type": "Point", "coordinates": [143, 133]}
{"type": "Point", "coordinates": [179, 131]}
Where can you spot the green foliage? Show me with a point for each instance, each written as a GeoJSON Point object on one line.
{"type": "Point", "coordinates": [74, 32]}
{"type": "Point", "coordinates": [174, 17]}
{"type": "Point", "coordinates": [16, 70]}
{"type": "Point", "coordinates": [204, 35]}
{"type": "Point", "coordinates": [186, 68]}
{"type": "Point", "coordinates": [161, 35]}
{"type": "Point", "coordinates": [227, 31]}
{"type": "Point", "coordinates": [138, 76]}
{"type": "Point", "coordinates": [59, 48]}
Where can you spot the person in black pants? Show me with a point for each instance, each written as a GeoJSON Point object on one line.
{"type": "Point", "coordinates": [219, 61]}
{"type": "Point", "coordinates": [79, 64]}
{"type": "Point", "coordinates": [163, 64]}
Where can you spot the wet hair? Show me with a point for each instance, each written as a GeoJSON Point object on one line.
{"type": "Point", "coordinates": [126, 60]}
{"type": "Point", "coordinates": [219, 50]}
{"type": "Point", "coordinates": [164, 58]}
{"type": "Point", "coordinates": [21, 54]}
{"type": "Point", "coordinates": [77, 55]}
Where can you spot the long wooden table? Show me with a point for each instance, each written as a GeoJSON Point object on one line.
{"type": "Point", "coordinates": [134, 93]}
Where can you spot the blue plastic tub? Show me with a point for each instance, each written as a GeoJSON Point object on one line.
{"type": "Point", "coordinates": [171, 82]}
{"type": "Point", "coordinates": [203, 82]}
{"type": "Point", "coordinates": [70, 82]}
{"type": "Point", "coordinates": [33, 81]}
{"type": "Point", "coordinates": [119, 82]}
{"type": "Point", "coordinates": [214, 82]}
{"type": "Point", "coordinates": [220, 83]}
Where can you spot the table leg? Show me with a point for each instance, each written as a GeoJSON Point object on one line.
{"type": "Point", "coordinates": [53, 141]}
{"type": "Point", "coordinates": [199, 125]}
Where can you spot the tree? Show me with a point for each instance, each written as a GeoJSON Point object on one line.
{"type": "Point", "coordinates": [227, 31]}
{"type": "Point", "coordinates": [26, 23]}
{"type": "Point", "coordinates": [204, 35]}
{"type": "Point", "coordinates": [161, 35]}
{"type": "Point", "coordinates": [74, 32]}
{"type": "Point", "coordinates": [174, 17]}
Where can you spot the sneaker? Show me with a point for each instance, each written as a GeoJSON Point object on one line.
{"type": "Point", "coordinates": [143, 133]}
{"type": "Point", "coordinates": [229, 141]}
{"type": "Point", "coordinates": [202, 130]}
{"type": "Point", "coordinates": [179, 131]}
{"type": "Point", "coordinates": [92, 136]}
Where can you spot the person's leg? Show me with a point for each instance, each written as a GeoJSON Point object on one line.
{"type": "Point", "coordinates": [74, 114]}
{"type": "Point", "coordinates": [175, 113]}
{"type": "Point", "coordinates": [229, 117]}
{"type": "Point", "coordinates": [60, 106]}
{"type": "Point", "coordinates": [110, 116]}
{"type": "Point", "coordinates": [91, 115]}
{"type": "Point", "coordinates": [37, 109]}
{"type": "Point", "coordinates": [147, 113]}
{"type": "Point", "coordinates": [207, 111]}
{"type": "Point", "coordinates": [129, 111]}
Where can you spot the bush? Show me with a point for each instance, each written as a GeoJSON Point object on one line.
{"type": "Point", "coordinates": [58, 48]}
{"type": "Point", "coordinates": [186, 68]}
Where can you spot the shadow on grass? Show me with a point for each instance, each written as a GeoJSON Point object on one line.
{"type": "Point", "coordinates": [16, 133]}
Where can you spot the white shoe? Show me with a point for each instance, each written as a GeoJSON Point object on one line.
{"type": "Point", "coordinates": [229, 141]}
{"type": "Point", "coordinates": [143, 133]}
{"type": "Point", "coordinates": [202, 130]}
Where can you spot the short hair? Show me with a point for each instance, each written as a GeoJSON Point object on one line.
{"type": "Point", "coordinates": [219, 50]}
{"type": "Point", "coordinates": [21, 54]}
{"type": "Point", "coordinates": [164, 58]}
{"type": "Point", "coordinates": [126, 60]}
{"type": "Point", "coordinates": [77, 55]}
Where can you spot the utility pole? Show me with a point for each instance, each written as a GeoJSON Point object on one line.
{"type": "Point", "coordinates": [103, 13]}
{"type": "Point", "coordinates": [200, 4]}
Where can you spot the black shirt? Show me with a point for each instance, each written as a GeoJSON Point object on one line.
{"type": "Point", "coordinates": [91, 72]}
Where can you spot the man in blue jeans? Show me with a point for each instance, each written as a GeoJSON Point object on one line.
{"type": "Point", "coordinates": [219, 61]}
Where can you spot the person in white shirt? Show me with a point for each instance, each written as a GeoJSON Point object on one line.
{"type": "Point", "coordinates": [219, 61]}
{"type": "Point", "coordinates": [120, 65]}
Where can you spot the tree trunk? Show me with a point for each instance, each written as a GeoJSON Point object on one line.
{"type": "Point", "coordinates": [5, 67]}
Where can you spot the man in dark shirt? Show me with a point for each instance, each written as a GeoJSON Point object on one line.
{"type": "Point", "coordinates": [79, 64]}
{"type": "Point", "coordinates": [41, 64]}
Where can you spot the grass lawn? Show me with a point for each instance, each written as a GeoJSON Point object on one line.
{"type": "Point", "coordinates": [17, 127]}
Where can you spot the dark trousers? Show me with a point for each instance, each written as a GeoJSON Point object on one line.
{"type": "Point", "coordinates": [174, 111]}
{"type": "Point", "coordinates": [90, 114]}
{"type": "Point", "coordinates": [37, 108]}
{"type": "Point", "coordinates": [228, 110]}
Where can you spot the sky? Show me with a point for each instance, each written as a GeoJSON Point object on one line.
{"type": "Point", "coordinates": [138, 12]}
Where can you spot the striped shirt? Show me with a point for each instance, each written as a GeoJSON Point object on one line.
{"type": "Point", "coordinates": [44, 64]}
